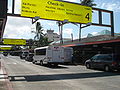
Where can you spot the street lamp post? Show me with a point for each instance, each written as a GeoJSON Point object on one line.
{"type": "Point", "coordinates": [60, 24]}
{"type": "Point", "coordinates": [88, 24]}
{"type": "Point", "coordinates": [36, 18]}
{"type": "Point", "coordinates": [72, 37]}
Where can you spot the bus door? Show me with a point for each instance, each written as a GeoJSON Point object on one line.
{"type": "Point", "coordinates": [56, 54]}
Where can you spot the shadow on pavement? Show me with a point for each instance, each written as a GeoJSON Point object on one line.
{"type": "Point", "coordinates": [34, 78]}
{"type": "Point", "coordinates": [3, 74]}
{"type": "Point", "coordinates": [54, 67]}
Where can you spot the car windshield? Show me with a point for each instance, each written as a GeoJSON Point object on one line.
{"type": "Point", "coordinates": [25, 53]}
{"type": "Point", "coordinates": [30, 54]}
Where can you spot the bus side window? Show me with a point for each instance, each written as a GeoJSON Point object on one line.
{"type": "Point", "coordinates": [41, 52]}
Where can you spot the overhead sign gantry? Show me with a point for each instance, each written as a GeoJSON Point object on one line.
{"type": "Point", "coordinates": [3, 16]}
{"type": "Point", "coordinates": [56, 10]}
{"type": "Point", "coordinates": [100, 11]}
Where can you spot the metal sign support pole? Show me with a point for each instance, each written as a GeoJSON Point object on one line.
{"type": "Point", "coordinates": [61, 33]}
{"type": "Point", "coordinates": [80, 32]}
{"type": "Point", "coordinates": [112, 24]}
{"type": "Point", "coordinates": [13, 6]}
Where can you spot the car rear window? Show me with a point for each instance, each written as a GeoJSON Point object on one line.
{"type": "Point", "coordinates": [117, 57]}
{"type": "Point", "coordinates": [107, 57]}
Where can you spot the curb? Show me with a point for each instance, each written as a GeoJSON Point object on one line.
{"type": "Point", "coordinates": [9, 85]}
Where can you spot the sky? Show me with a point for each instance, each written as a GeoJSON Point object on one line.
{"type": "Point", "coordinates": [20, 28]}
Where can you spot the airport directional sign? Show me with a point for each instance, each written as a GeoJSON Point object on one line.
{"type": "Point", "coordinates": [14, 41]}
{"type": "Point", "coordinates": [56, 10]}
{"type": "Point", "coordinates": [5, 48]}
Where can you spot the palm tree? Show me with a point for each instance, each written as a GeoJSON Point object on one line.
{"type": "Point", "coordinates": [87, 3]}
{"type": "Point", "coordinates": [39, 34]}
{"type": "Point", "coordinates": [39, 31]}
{"type": "Point", "coordinates": [40, 39]}
{"type": "Point", "coordinates": [30, 43]}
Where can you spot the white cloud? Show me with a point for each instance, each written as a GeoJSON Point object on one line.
{"type": "Point", "coordinates": [21, 32]}
{"type": "Point", "coordinates": [18, 28]}
{"type": "Point", "coordinates": [18, 6]}
{"type": "Point", "coordinates": [103, 5]}
{"type": "Point", "coordinates": [114, 6]}
{"type": "Point", "coordinates": [51, 24]}
{"type": "Point", "coordinates": [94, 33]}
{"type": "Point", "coordinates": [68, 31]}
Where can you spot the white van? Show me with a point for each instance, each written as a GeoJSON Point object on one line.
{"type": "Point", "coordinates": [52, 55]}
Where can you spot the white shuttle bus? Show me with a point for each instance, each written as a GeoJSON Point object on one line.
{"type": "Point", "coordinates": [52, 55]}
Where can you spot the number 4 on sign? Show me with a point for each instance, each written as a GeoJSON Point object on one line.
{"type": "Point", "coordinates": [87, 16]}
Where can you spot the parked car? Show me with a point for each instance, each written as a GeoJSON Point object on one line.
{"type": "Point", "coordinates": [23, 55]}
{"type": "Point", "coordinates": [106, 62]}
{"type": "Point", "coordinates": [29, 57]}
{"type": "Point", "coordinates": [15, 53]}
{"type": "Point", "coordinates": [5, 53]}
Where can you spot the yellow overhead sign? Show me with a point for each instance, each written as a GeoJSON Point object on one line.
{"type": "Point", "coordinates": [56, 10]}
{"type": "Point", "coordinates": [1, 51]}
{"type": "Point", "coordinates": [5, 48]}
{"type": "Point", "coordinates": [14, 41]}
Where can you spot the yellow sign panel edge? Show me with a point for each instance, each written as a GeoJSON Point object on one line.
{"type": "Point", "coordinates": [14, 41]}
{"type": "Point", "coordinates": [68, 3]}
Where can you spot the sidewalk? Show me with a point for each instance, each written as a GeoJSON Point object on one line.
{"type": "Point", "coordinates": [4, 81]}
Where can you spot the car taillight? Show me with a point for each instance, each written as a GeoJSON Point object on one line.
{"type": "Point", "coordinates": [62, 57]}
{"type": "Point", "coordinates": [114, 63]}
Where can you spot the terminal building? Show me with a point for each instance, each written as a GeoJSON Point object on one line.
{"type": "Point", "coordinates": [87, 47]}
{"type": "Point", "coordinates": [52, 36]}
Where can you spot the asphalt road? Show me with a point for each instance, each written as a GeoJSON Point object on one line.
{"type": "Point", "coordinates": [27, 76]}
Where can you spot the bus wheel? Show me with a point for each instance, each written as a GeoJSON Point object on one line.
{"type": "Point", "coordinates": [107, 68]}
{"type": "Point", "coordinates": [88, 66]}
{"type": "Point", "coordinates": [55, 65]}
{"type": "Point", "coordinates": [41, 63]}
{"type": "Point", "coordinates": [33, 62]}
{"type": "Point", "coordinates": [49, 64]}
